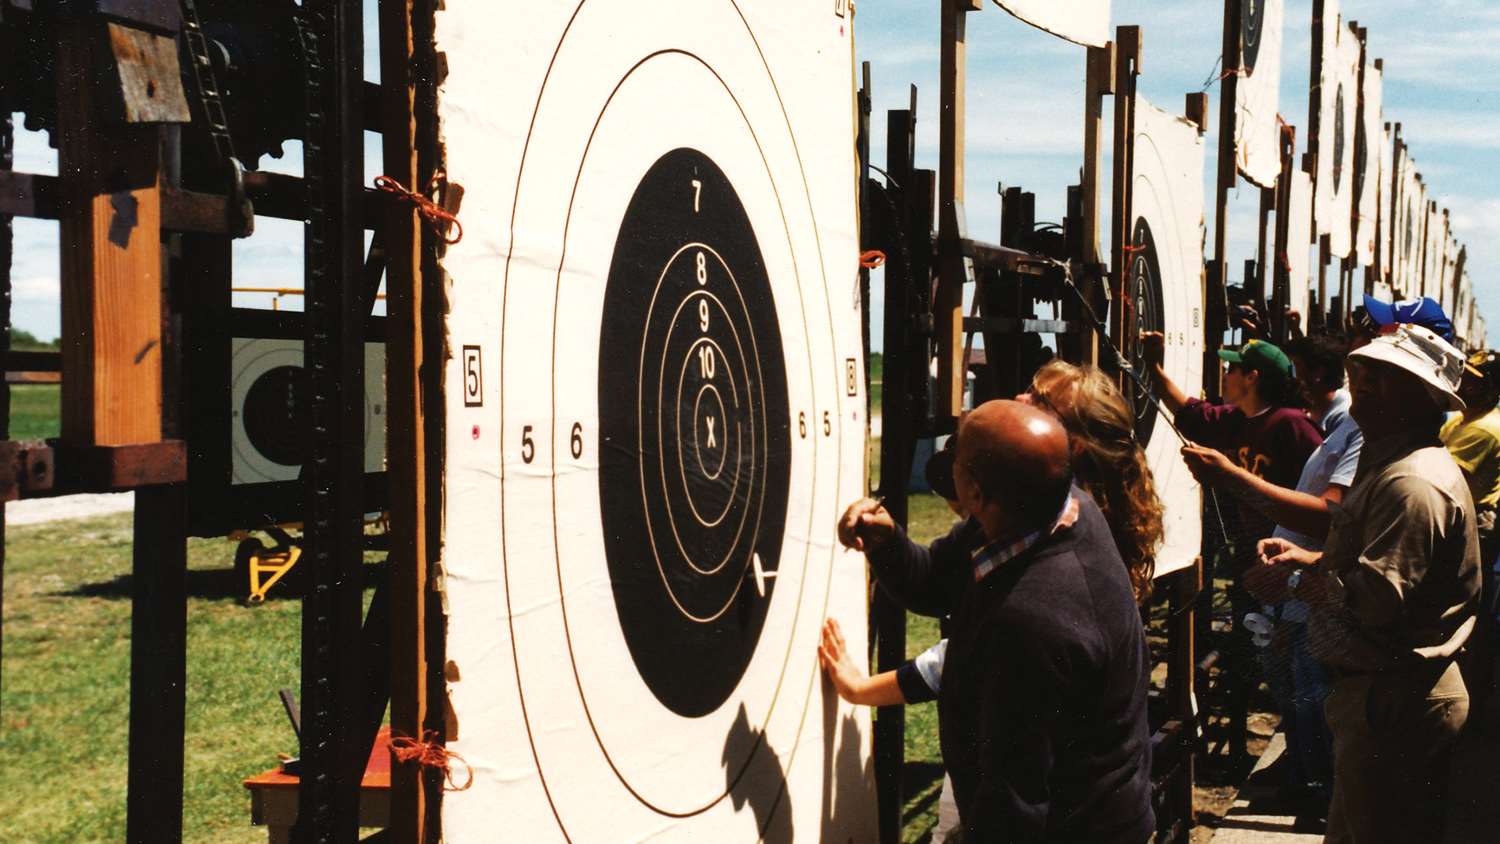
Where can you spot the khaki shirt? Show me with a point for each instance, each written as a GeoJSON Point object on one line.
{"type": "Point", "coordinates": [1403, 546]}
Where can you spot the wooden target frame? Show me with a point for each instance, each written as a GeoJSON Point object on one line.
{"type": "Point", "coordinates": [654, 421]}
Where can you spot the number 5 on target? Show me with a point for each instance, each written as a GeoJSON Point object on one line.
{"type": "Point", "coordinates": [473, 377]}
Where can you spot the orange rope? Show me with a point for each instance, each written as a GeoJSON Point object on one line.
{"type": "Point", "coordinates": [871, 259]}
{"type": "Point", "coordinates": [429, 753]}
{"type": "Point", "coordinates": [433, 213]}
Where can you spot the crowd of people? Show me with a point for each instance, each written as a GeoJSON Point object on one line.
{"type": "Point", "coordinates": [1359, 525]}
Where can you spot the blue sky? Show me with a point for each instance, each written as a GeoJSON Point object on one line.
{"type": "Point", "coordinates": [1025, 95]}
{"type": "Point", "coordinates": [1025, 101]}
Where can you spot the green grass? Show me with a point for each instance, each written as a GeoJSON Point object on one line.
{"type": "Point", "coordinates": [35, 411]}
{"type": "Point", "coordinates": [64, 688]}
{"type": "Point", "coordinates": [64, 692]}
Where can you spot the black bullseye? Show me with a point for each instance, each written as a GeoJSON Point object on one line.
{"type": "Point", "coordinates": [1146, 298]}
{"type": "Point", "coordinates": [695, 452]}
{"type": "Point", "coordinates": [1338, 137]}
{"type": "Point", "coordinates": [273, 414]}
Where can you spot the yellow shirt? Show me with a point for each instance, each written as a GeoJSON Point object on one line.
{"type": "Point", "coordinates": [1475, 447]}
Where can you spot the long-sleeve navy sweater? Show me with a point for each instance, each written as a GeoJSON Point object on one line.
{"type": "Point", "coordinates": [1043, 706]}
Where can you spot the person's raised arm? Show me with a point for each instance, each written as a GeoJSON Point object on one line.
{"type": "Point", "coordinates": [1298, 511]}
{"type": "Point", "coordinates": [924, 580]}
{"type": "Point", "coordinates": [1154, 350]}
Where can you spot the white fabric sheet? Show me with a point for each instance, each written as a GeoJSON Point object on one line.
{"type": "Point", "coordinates": [1298, 243]}
{"type": "Point", "coordinates": [1256, 131]}
{"type": "Point", "coordinates": [1168, 196]}
{"type": "Point", "coordinates": [1338, 93]}
{"type": "Point", "coordinates": [556, 116]}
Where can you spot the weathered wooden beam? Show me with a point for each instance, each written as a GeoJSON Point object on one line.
{"type": "Point", "coordinates": [110, 238]}
{"type": "Point", "coordinates": [406, 423]}
{"type": "Point", "coordinates": [947, 308]}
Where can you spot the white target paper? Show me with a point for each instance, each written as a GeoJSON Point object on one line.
{"type": "Point", "coordinates": [1167, 238]}
{"type": "Point", "coordinates": [1410, 219]}
{"type": "Point", "coordinates": [1432, 252]}
{"type": "Point", "coordinates": [1298, 242]}
{"type": "Point", "coordinates": [265, 398]}
{"type": "Point", "coordinates": [1386, 202]}
{"type": "Point", "coordinates": [1338, 93]}
{"type": "Point", "coordinates": [1083, 22]}
{"type": "Point", "coordinates": [655, 415]}
{"type": "Point", "coordinates": [1367, 165]}
{"type": "Point", "coordinates": [1256, 131]}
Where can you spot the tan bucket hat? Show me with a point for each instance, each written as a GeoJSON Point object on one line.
{"type": "Point", "coordinates": [1424, 354]}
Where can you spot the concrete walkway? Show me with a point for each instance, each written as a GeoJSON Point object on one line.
{"type": "Point", "coordinates": [1253, 818]}
{"type": "Point", "coordinates": [32, 511]}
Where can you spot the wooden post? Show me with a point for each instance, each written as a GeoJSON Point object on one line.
{"type": "Point", "coordinates": [1217, 304]}
{"type": "Point", "coordinates": [1325, 254]}
{"type": "Point", "coordinates": [1181, 667]}
{"type": "Point", "coordinates": [406, 423]}
{"type": "Point", "coordinates": [7, 244]}
{"type": "Point", "coordinates": [902, 367]}
{"type": "Point", "coordinates": [1281, 288]}
{"type": "Point", "coordinates": [953, 267]}
{"type": "Point", "coordinates": [110, 241]}
{"type": "Point", "coordinates": [1262, 257]}
{"type": "Point", "coordinates": [1099, 81]}
{"type": "Point", "coordinates": [1127, 66]}
{"type": "Point", "coordinates": [158, 665]}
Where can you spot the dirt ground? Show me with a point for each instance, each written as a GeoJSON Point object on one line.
{"type": "Point", "coordinates": [1219, 777]}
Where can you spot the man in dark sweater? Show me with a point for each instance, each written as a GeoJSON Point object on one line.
{"type": "Point", "coordinates": [1042, 711]}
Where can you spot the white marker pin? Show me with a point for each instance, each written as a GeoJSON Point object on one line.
{"type": "Point", "coordinates": [761, 575]}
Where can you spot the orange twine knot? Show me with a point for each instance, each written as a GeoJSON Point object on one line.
{"type": "Point", "coordinates": [430, 753]}
{"type": "Point", "coordinates": [433, 213]}
{"type": "Point", "coordinates": [871, 259]}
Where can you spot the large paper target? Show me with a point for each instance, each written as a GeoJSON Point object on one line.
{"type": "Point", "coordinates": [654, 422]}
{"type": "Point", "coordinates": [1084, 22]}
{"type": "Point", "coordinates": [269, 406]}
{"type": "Point", "coordinates": [1338, 93]}
{"type": "Point", "coordinates": [1257, 133]}
{"type": "Point", "coordinates": [1166, 290]}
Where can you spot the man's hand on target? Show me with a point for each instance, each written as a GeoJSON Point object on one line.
{"type": "Point", "coordinates": [866, 525]}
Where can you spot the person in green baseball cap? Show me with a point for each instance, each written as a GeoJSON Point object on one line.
{"type": "Point", "coordinates": [1263, 367]}
{"type": "Point", "coordinates": [1256, 430]}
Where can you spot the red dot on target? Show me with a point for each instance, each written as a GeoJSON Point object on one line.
{"type": "Point", "coordinates": [475, 432]}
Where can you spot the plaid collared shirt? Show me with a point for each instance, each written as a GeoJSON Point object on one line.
{"type": "Point", "coordinates": [1001, 551]}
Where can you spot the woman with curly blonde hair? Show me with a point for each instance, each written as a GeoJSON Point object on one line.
{"type": "Point", "coordinates": [1108, 461]}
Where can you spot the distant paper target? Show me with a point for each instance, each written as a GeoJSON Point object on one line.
{"type": "Point", "coordinates": [1386, 202]}
{"type": "Point", "coordinates": [269, 404]}
{"type": "Point", "coordinates": [1083, 22]}
{"type": "Point", "coordinates": [657, 289]}
{"type": "Point", "coordinates": [1368, 166]}
{"type": "Point", "coordinates": [1298, 242]}
{"type": "Point", "coordinates": [1432, 251]}
{"type": "Point", "coordinates": [1257, 92]}
{"type": "Point", "coordinates": [1338, 92]}
{"type": "Point", "coordinates": [1167, 294]}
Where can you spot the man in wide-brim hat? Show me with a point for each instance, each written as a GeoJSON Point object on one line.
{"type": "Point", "coordinates": [1392, 595]}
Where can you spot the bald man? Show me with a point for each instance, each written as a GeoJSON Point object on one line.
{"type": "Point", "coordinates": [1042, 712]}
